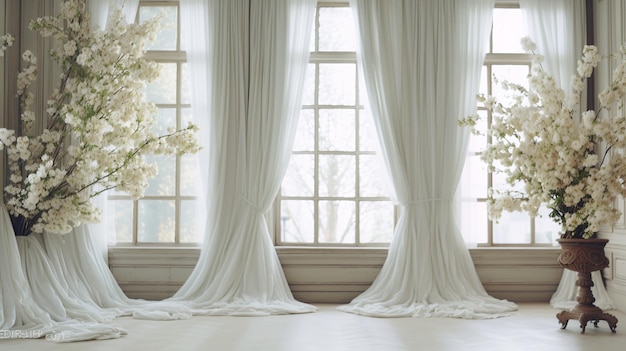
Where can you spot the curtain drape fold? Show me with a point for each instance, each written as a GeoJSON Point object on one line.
{"type": "Point", "coordinates": [60, 287]}
{"type": "Point", "coordinates": [421, 61]}
{"type": "Point", "coordinates": [248, 60]}
{"type": "Point", "coordinates": [558, 27]}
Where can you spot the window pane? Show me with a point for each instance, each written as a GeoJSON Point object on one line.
{"type": "Point", "coordinates": [336, 130]}
{"type": "Point", "coordinates": [336, 31]}
{"type": "Point", "coordinates": [313, 37]}
{"type": "Point", "coordinates": [474, 178]}
{"type": "Point", "coordinates": [337, 84]}
{"type": "Point", "coordinates": [298, 180]}
{"type": "Point", "coordinates": [333, 133]}
{"type": "Point", "coordinates": [499, 182]}
{"type": "Point", "coordinates": [474, 221]}
{"type": "Point", "coordinates": [190, 175]}
{"type": "Point", "coordinates": [512, 73]}
{"type": "Point", "coordinates": [164, 183]}
{"type": "Point", "coordinates": [156, 221]}
{"type": "Point", "coordinates": [376, 221]}
{"type": "Point", "coordinates": [122, 211]}
{"type": "Point", "coordinates": [166, 38]}
{"type": "Point", "coordinates": [165, 118]}
{"type": "Point", "coordinates": [370, 177]}
{"type": "Point", "coordinates": [190, 222]}
{"type": "Point", "coordinates": [189, 164]}
{"type": "Point", "coordinates": [368, 138]}
{"type": "Point", "coordinates": [185, 93]}
{"type": "Point", "coordinates": [512, 228]}
{"type": "Point", "coordinates": [336, 175]}
{"type": "Point", "coordinates": [336, 223]}
{"type": "Point", "coordinates": [308, 91]}
{"type": "Point", "coordinates": [305, 135]}
{"type": "Point", "coordinates": [546, 230]}
{"type": "Point", "coordinates": [297, 221]}
{"type": "Point", "coordinates": [478, 143]}
{"type": "Point", "coordinates": [163, 89]}
{"type": "Point", "coordinates": [484, 78]}
{"type": "Point", "coordinates": [508, 30]}
{"type": "Point", "coordinates": [362, 90]}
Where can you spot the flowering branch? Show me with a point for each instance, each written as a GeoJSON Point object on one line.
{"type": "Point", "coordinates": [100, 124]}
{"type": "Point", "coordinates": [544, 144]}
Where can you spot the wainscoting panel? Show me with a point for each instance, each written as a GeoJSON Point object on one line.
{"type": "Point", "coordinates": [337, 275]}
{"type": "Point", "coordinates": [615, 275]}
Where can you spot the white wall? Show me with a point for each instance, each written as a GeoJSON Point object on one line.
{"type": "Point", "coordinates": [610, 34]}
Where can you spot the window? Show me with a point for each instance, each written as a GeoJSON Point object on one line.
{"type": "Point", "coordinates": [332, 193]}
{"type": "Point", "coordinates": [166, 214]}
{"type": "Point", "coordinates": [505, 60]}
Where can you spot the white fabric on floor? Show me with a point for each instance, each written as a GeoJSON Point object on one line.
{"type": "Point", "coordinates": [251, 57]}
{"type": "Point", "coordinates": [564, 297]}
{"type": "Point", "coordinates": [558, 28]}
{"type": "Point", "coordinates": [21, 314]}
{"type": "Point", "coordinates": [82, 272]}
{"type": "Point", "coordinates": [421, 78]}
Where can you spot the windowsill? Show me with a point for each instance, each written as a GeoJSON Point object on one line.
{"type": "Point", "coordinates": [347, 249]}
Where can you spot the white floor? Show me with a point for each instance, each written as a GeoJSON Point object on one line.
{"type": "Point", "coordinates": [534, 327]}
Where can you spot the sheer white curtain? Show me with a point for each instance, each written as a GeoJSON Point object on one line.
{"type": "Point", "coordinates": [249, 58]}
{"type": "Point", "coordinates": [84, 284]}
{"type": "Point", "coordinates": [103, 233]}
{"type": "Point", "coordinates": [421, 61]}
{"type": "Point", "coordinates": [100, 10]}
{"type": "Point", "coordinates": [558, 28]}
{"type": "Point", "coordinates": [18, 309]}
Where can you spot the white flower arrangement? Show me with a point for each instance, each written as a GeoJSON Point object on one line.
{"type": "Point", "coordinates": [554, 154]}
{"type": "Point", "coordinates": [99, 124]}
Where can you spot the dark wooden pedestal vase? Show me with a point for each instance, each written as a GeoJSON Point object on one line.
{"type": "Point", "coordinates": [584, 256]}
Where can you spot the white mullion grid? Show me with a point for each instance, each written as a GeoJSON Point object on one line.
{"type": "Point", "coordinates": [316, 111]}
{"type": "Point", "coordinates": [177, 194]}
{"type": "Point", "coordinates": [179, 85]}
{"type": "Point", "coordinates": [178, 58]}
{"type": "Point", "coordinates": [492, 60]}
{"type": "Point", "coordinates": [316, 147]}
{"type": "Point", "coordinates": [317, 198]}
{"type": "Point", "coordinates": [489, 174]}
{"type": "Point", "coordinates": [317, 58]}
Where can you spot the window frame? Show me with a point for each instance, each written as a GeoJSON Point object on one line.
{"type": "Point", "coordinates": [491, 60]}
{"type": "Point", "coordinates": [179, 58]}
{"type": "Point", "coordinates": [316, 58]}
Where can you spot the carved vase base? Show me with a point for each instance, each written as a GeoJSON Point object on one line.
{"type": "Point", "coordinates": [584, 256]}
{"type": "Point", "coordinates": [584, 314]}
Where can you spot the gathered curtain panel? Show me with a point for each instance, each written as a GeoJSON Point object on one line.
{"type": "Point", "coordinates": [248, 60]}
{"type": "Point", "coordinates": [421, 61]}
{"type": "Point", "coordinates": [103, 233]}
{"type": "Point", "coordinates": [60, 287]}
{"type": "Point", "coordinates": [558, 27]}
